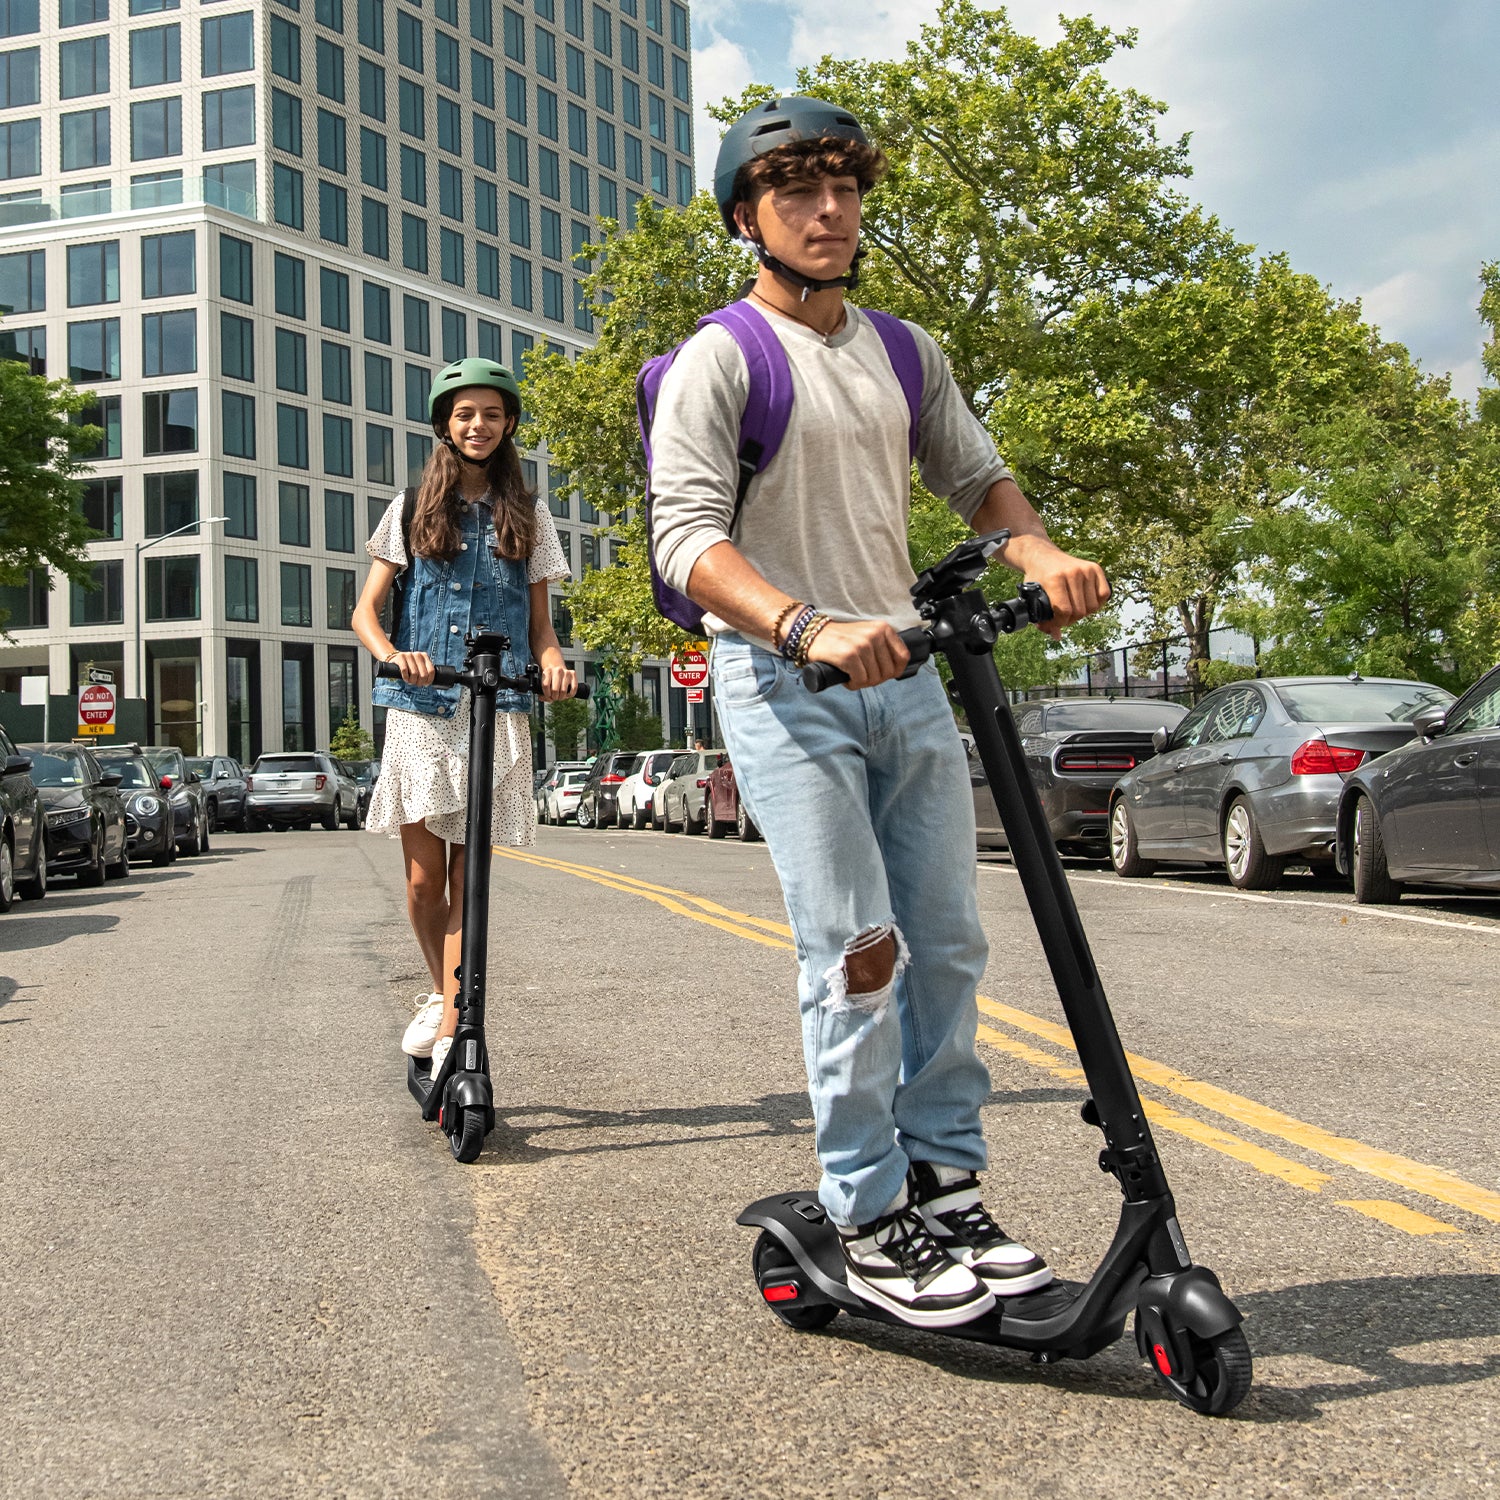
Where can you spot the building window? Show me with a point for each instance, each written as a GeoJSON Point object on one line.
{"type": "Point", "coordinates": [486, 206]}
{"type": "Point", "coordinates": [169, 342]}
{"type": "Point", "coordinates": [103, 413]}
{"type": "Point", "coordinates": [291, 437]}
{"type": "Point", "coordinates": [446, 61]}
{"type": "Point", "coordinates": [482, 21]}
{"type": "Point", "coordinates": [412, 103]}
{"type": "Point", "coordinates": [487, 270]}
{"type": "Point", "coordinates": [286, 123]}
{"type": "Point", "coordinates": [583, 312]}
{"type": "Point", "coordinates": [328, 60]}
{"type": "Point", "coordinates": [294, 509]}
{"type": "Point", "coordinates": [578, 129]}
{"type": "Point", "coordinates": [333, 299]}
{"type": "Point", "coordinates": [170, 421]}
{"type": "Point", "coordinates": [557, 491]}
{"type": "Point", "coordinates": [291, 286]}
{"type": "Point", "coordinates": [296, 594]}
{"type": "Point", "coordinates": [26, 603]}
{"type": "Point", "coordinates": [415, 326]}
{"type": "Point", "coordinates": [155, 129]}
{"type": "Point", "coordinates": [413, 176]}
{"type": "Point", "coordinates": [238, 413]}
{"type": "Point", "coordinates": [546, 113]}
{"type": "Point", "coordinates": [27, 346]}
{"type": "Point", "coordinates": [377, 312]}
{"type": "Point", "coordinates": [338, 520]}
{"type": "Point", "coordinates": [409, 40]}
{"type": "Point", "coordinates": [286, 191]}
{"type": "Point", "coordinates": [297, 722]}
{"type": "Point", "coordinates": [338, 380]}
{"type": "Point", "coordinates": [630, 102]}
{"type": "Point", "coordinates": [102, 505]}
{"type": "Point", "coordinates": [82, 68]}
{"type": "Point", "coordinates": [548, 173]}
{"type": "Point", "coordinates": [552, 294]}
{"type": "Point", "coordinates": [377, 382]}
{"type": "Point", "coordinates": [171, 502]}
{"type": "Point", "coordinates": [329, 13]}
{"type": "Point", "coordinates": [341, 597]}
{"type": "Point", "coordinates": [604, 87]}
{"type": "Point", "coordinates": [684, 184]}
{"type": "Point", "coordinates": [450, 191]}
{"type": "Point", "coordinates": [171, 588]}
{"type": "Point", "coordinates": [635, 168]}
{"type": "Point", "coordinates": [332, 153]}
{"type": "Point", "coordinates": [418, 384]}
{"type": "Point", "coordinates": [451, 255]}
{"type": "Point", "coordinates": [520, 221]}
{"type": "Point", "coordinates": [450, 126]}
{"type": "Point", "coordinates": [241, 588]}
{"type": "Point", "coordinates": [371, 24]}
{"type": "Point", "coordinates": [333, 213]}
{"type": "Point", "coordinates": [239, 505]}
{"type": "Point", "coordinates": [520, 283]}
{"type": "Point", "coordinates": [104, 603]}
{"type": "Point", "coordinates": [291, 361]}
{"type": "Point", "coordinates": [155, 55]}
{"type": "Point", "coordinates": [380, 455]}
{"type": "Point", "coordinates": [84, 141]}
{"type": "Point", "coordinates": [372, 158]}
{"type": "Point", "coordinates": [286, 50]}
{"type": "Point", "coordinates": [94, 350]}
{"type": "Point", "coordinates": [413, 243]}
{"type": "Point", "coordinates": [573, 18]}
{"type": "Point", "coordinates": [517, 160]}
{"type": "Point", "coordinates": [455, 335]}
{"type": "Point", "coordinates": [21, 77]}
{"type": "Point", "coordinates": [520, 347]}
{"type": "Point", "coordinates": [659, 172]}
{"type": "Point", "coordinates": [23, 281]}
{"type": "Point", "coordinates": [338, 445]}
{"type": "Point", "coordinates": [515, 97]}
{"type": "Point", "coordinates": [484, 143]}
{"type": "Point", "coordinates": [228, 44]}
{"type": "Point", "coordinates": [169, 265]}
{"type": "Point", "coordinates": [418, 451]}
{"type": "Point", "coordinates": [236, 270]}
{"type": "Point", "coordinates": [371, 89]}
{"type": "Point", "coordinates": [578, 187]}
{"type": "Point", "coordinates": [375, 229]}
{"type": "Point", "coordinates": [21, 149]}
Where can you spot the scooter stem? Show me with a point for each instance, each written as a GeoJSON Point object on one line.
{"type": "Point", "coordinates": [483, 672]}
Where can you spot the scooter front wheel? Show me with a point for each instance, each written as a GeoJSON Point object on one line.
{"type": "Point", "coordinates": [770, 1256]}
{"type": "Point", "coordinates": [467, 1135]}
{"type": "Point", "coordinates": [1221, 1377]}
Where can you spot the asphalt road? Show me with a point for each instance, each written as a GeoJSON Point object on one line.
{"type": "Point", "coordinates": [239, 1264]}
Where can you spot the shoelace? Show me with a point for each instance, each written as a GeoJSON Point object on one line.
{"type": "Point", "coordinates": [908, 1241]}
{"type": "Point", "coordinates": [974, 1226]}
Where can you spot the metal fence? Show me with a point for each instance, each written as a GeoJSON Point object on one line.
{"type": "Point", "coordinates": [1145, 669]}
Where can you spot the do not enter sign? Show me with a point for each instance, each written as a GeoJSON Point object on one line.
{"type": "Point", "coordinates": [689, 669]}
{"type": "Point", "coordinates": [96, 709]}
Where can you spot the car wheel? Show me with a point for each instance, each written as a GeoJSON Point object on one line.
{"type": "Point", "coordinates": [92, 874]}
{"type": "Point", "coordinates": [213, 812]}
{"type": "Point", "coordinates": [1124, 846]}
{"type": "Point", "coordinates": [639, 816]}
{"type": "Point", "coordinates": [193, 845]}
{"type": "Point", "coordinates": [121, 867]}
{"type": "Point", "coordinates": [1248, 865]}
{"type": "Point", "coordinates": [716, 829]}
{"type": "Point", "coordinates": [7, 873]}
{"type": "Point", "coordinates": [203, 835]}
{"type": "Point", "coordinates": [585, 816]}
{"type": "Point", "coordinates": [745, 826]}
{"type": "Point", "coordinates": [35, 888]}
{"type": "Point", "coordinates": [1373, 885]}
{"type": "Point", "coordinates": [331, 819]}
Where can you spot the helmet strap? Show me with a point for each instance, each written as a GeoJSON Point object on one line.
{"type": "Point", "coordinates": [807, 285]}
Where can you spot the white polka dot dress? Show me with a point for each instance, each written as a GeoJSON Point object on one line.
{"type": "Point", "coordinates": [424, 766]}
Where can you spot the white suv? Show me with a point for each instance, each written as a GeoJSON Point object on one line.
{"type": "Point", "coordinates": [633, 808]}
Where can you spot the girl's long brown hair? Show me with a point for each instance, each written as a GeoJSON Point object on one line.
{"type": "Point", "coordinates": [435, 529]}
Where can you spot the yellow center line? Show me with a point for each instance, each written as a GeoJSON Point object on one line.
{"type": "Point", "coordinates": [1429, 1181]}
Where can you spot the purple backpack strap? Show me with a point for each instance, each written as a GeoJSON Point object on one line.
{"type": "Point", "coordinates": [906, 361]}
{"type": "Point", "coordinates": [768, 406]}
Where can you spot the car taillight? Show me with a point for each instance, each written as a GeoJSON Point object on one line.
{"type": "Point", "coordinates": [319, 782]}
{"type": "Point", "coordinates": [1081, 760]}
{"type": "Point", "coordinates": [610, 780]}
{"type": "Point", "coordinates": [1319, 758]}
{"type": "Point", "coordinates": [703, 781]}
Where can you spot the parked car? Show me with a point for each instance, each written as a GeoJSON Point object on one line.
{"type": "Point", "coordinates": [1076, 749]}
{"type": "Point", "coordinates": [678, 802]}
{"type": "Point", "coordinates": [23, 828]}
{"type": "Point", "coordinates": [364, 773]}
{"type": "Point", "coordinates": [223, 781]}
{"type": "Point", "coordinates": [560, 798]}
{"type": "Point", "coordinates": [1253, 775]}
{"type": "Point", "coordinates": [86, 829]}
{"type": "Point", "coordinates": [633, 805]}
{"type": "Point", "coordinates": [549, 779]}
{"type": "Point", "coordinates": [292, 788]}
{"type": "Point", "coordinates": [722, 808]}
{"type": "Point", "coordinates": [597, 803]}
{"type": "Point", "coordinates": [149, 822]}
{"type": "Point", "coordinates": [1428, 813]}
{"type": "Point", "coordinates": [185, 793]}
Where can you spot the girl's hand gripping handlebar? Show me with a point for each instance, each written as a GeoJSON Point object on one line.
{"type": "Point", "coordinates": [451, 676]}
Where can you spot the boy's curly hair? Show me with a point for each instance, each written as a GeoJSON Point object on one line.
{"type": "Point", "coordinates": [803, 161]}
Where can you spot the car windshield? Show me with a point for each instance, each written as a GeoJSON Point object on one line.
{"type": "Point", "coordinates": [1360, 702]}
{"type": "Point", "coordinates": [201, 765]}
{"type": "Point", "coordinates": [165, 761]}
{"type": "Point", "coordinates": [55, 770]}
{"type": "Point", "coordinates": [1105, 713]}
{"type": "Point", "coordinates": [132, 772]}
{"type": "Point", "coordinates": [272, 765]}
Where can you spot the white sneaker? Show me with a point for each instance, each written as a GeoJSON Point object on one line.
{"type": "Point", "coordinates": [422, 1030]}
{"type": "Point", "coordinates": [440, 1050]}
{"type": "Point", "coordinates": [948, 1200]}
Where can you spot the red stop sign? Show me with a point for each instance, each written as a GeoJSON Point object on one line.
{"type": "Point", "coordinates": [689, 668]}
{"type": "Point", "coordinates": [96, 704]}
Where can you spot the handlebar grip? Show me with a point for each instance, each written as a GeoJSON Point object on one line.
{"type": "Point", "coordinates": [820, 675]}
{"type": "Point", "coordinates": [582, 691]}
{"type": "Point", "coordinates": [443, 676]}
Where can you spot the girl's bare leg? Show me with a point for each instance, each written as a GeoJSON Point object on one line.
{"type": "Point", "coordinates": [427, 898]}
{"type": "Point", "coordinates": [453, 937]}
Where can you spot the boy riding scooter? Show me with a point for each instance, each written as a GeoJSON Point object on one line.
{"type": "Point", "coordinates": [863, 796]}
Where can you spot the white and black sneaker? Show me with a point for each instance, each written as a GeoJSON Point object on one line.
{"type": "Point", "coordinates": [948, 1200]}
{"type": "Point", "coordinates": [895, 1263]}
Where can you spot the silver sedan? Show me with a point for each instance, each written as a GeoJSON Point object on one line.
{"type": "Point", "coordinates": [1253, 775]}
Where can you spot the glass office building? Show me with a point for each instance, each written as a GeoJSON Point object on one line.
{"type": "Point", "coordinates": [253, 234]}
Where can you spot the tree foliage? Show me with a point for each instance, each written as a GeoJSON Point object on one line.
{"type": "Point", "coordinates": [350, 741]}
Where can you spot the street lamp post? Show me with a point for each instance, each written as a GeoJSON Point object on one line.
{"type": "Point", "coordinates": [140, 646]}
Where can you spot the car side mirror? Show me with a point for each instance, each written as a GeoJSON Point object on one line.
{"type": "Point", "coordinates": [16, 765]}
{"type": "Point", "coordinates": [1160, 739]}
{"type": "Point", "coordinates": [111, 778]}
{"type": "Point", "coordinates": [1429, 723]}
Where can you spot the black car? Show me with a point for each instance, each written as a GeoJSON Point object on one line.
{"type": "Point", "coordinates": [1428, 813]}
{"type": "Point", "coordinates": [86, 826]}
{"type": "Point", "coordinates": [364, 774]}
{"type": "Point", "coordinates": [223, 782]}
{"type": "Point", "coordinates": [149, 820]}
{"type": "Point", "coordinates": [1076, 749]}
{"type": "Point", "coordinates": [23, 828]}
{"type": "Point", "coordinates": [185, 792]}
{"type": "Point", "coordinates": [599, 799]}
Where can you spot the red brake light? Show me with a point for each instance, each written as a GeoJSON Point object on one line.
{"type": "Point", "coordinates": [319, 782]}
{"type": "Point", "coordinates": [1319, 758]}
{"type": "Point", "coordinates": [703, 781]}
{"type": "Point", "coordinates": [610, 780]}
{"type": "Point", "coordinates": [784, 1293]}
{"type": "Point", "coordinates": [1080, 760]}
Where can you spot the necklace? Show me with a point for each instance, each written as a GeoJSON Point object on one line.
{"type": "Point", "coordinates": [755, 292]}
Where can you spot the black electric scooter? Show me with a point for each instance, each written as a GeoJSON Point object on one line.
{"type": "Point", "coordinates": [460, 1098]}
{"type": "Point", "coordinates": [1185, 1325]}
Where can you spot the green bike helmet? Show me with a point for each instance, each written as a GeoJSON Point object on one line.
{"type": "Point", "coordinates": [776, 123]}
{"type": "Point", "coordinates": [466, 372]}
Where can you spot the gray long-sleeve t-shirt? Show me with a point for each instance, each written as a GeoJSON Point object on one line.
{"type": "Point", "coordinates": [826, 520]}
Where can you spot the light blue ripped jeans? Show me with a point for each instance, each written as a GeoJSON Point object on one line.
{"type": "Point", "coordinates": [865, 804]}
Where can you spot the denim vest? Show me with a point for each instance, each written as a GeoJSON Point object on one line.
{"type": "Point", "coordinates": [444, 601]}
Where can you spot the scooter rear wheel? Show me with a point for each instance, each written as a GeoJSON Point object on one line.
{"type": "Point", "coordinates": [467, 1136]}
{"type": "Point", "coordinates": [1222, 1377]}
{"type": "Point", "coordinates": [771, 1255]}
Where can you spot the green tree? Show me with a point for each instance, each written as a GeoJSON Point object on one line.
{"type": "Point", "coordinates": [351, 742]}
{"type": "Point", "coordinates": [41, 525]}
{"type": "Point", "coordinates": [567, 721]}
{"type": "Point", "coordinates": [636, 727]}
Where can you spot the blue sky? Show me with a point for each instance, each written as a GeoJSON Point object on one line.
{"type": "Point", "coordinates": [1360, 136]}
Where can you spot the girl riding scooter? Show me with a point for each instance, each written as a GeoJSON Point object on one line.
{"type": "Point", "coordinates": [472, 550]}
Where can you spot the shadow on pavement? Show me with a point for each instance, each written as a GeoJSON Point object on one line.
{"type": "Point", "coordinates": [42, 931]}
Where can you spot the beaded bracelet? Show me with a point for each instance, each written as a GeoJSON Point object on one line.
{"type": "Point", "coordinates": [795, 632]}
{"type": "Point", "coordinates": [804, 646]}
{"type": "Point", "coordinates": [781, 620]}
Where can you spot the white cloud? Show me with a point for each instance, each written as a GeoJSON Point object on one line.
{"type": "Point", "coordinates": [876, 29]}
{"type": "Point", "coordinates": [722, 67]}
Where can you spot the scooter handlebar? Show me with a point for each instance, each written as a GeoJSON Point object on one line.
{"type": "Point", "coordinates": [818, 675]}
{"type": "Point", "coordinates": [452, 676]}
